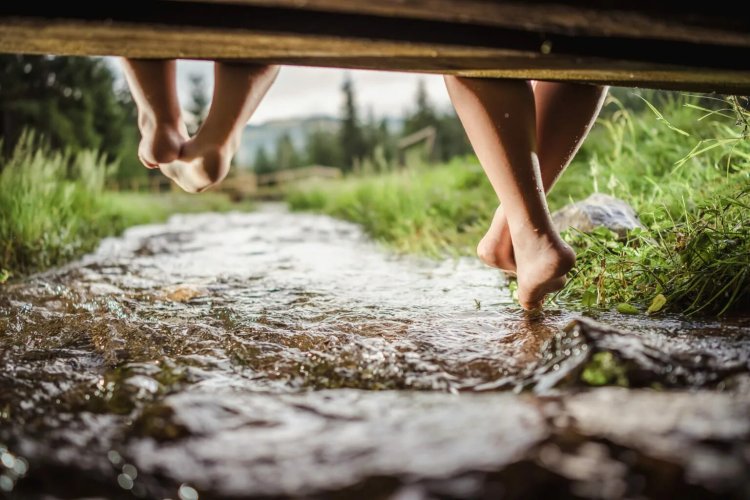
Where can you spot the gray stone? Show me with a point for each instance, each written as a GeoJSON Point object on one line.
{"type": "Point", "coordinates": [598, 210]}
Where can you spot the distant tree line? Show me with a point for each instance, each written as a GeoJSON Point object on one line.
{"type": "Point", "coordinates": [70, 103]}
{"type": "Point", "coordinates": [368, 143]}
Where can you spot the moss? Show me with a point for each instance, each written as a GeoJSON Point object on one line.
{"type": "Point", "coordinates": [605, 369]}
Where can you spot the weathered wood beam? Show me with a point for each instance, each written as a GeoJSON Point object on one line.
{"type": "Point", "coordinates": [724, 23]}
{"type": "Point", "coordinates": [577, 41]}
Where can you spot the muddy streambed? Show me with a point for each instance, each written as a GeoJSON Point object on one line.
{"type": "Point", "coordinates": [284, 355]}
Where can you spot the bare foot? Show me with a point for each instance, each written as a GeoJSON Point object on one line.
{"type": "Point", "coordinates": [543, 260]}
{"type": "Point", "coordinates": [160, 142]}
{"type": "Point", "coordinates": [496, 247]}
{"type": "Point", "coordinates": [541, 274]}
{"type": "Point", "coordinates": [201, 164]}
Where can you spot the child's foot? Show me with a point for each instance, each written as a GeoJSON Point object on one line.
{"type": "Point", "coordinates": [543, 260]}
{"type": "Point", "coordinates": [160, 142]}
{"type": "Point", "coordinates": [496, 247]}
{"type": "Point", "coordinates": [201, 164]}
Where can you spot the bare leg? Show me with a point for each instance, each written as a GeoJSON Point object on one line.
{"type": "Point", "coordinates": [499, 118]}
{"type": "Point", "coordinates": [565, 112]}
{"type": "Point", "coordinates": [153, 85]}
{"type": "Point", "coordinates": [205, 159]}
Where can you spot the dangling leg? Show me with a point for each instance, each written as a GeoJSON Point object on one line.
{"type": "Point", "coordinates": [499, 118]}
{"type": "Point", "coordinates": [153, 85]}
{"type": "Point", "coordinates": [205, 159]}
{"type": "Point", "coordinates": [565, 112]}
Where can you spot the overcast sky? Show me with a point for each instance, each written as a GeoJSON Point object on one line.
{"type": "Point", "coordinates": [300, 91]}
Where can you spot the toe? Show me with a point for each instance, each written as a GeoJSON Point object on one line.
{"type": "Point", "coordinates": [146, 163]}
{"type": "Point", "coordinates": [160, 147]}
{"type": "Point", "coordinates": [534, 299]}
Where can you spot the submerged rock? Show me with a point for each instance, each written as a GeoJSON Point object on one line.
{"type": "Point", "coordinates": [344, 443]}
{"type": "Point", "coordinates": [184, 292]}
{"type": "Point", "coordinates": [598, 210]}
{"type": "Point", "coordinates": [642, 359]}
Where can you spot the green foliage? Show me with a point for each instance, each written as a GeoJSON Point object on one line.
{"type": "Point", "coordinates": [424, 115]}
{"type": "Point", "coordinates": [605, 369]}
{"type": "Point", "coordinates": [380, 145]}
{"type": "Point", "coordinates": [133, 208]}
{"type": "Point", "coordinates": [451, 141]}
{"type": "Point", "coordinates": [71, 102]}
{"type": "Point", "coordinates": [353, 147]}
{"type": "Point", "coordinates": [433, 210]}
{"type": "Point", "coordinates": [199, 101]}
{"type": "Point", "coordinates": [263, 164]}
{"type": "Point", "coordinates": [286, 154]}
{"type": "Point", "coordinates": [53, 206]}
{"type": "Point", "coordinates": [698, 265]}
{"type": "Point", "coordinates": [642, 159]}
{"type": "Point", "coordinates": [323, 148]}
{"type": "Point", "coordinates": [686, 171]}
{"type": "Point", "coordinates": [49, 205]}
{"type": "Point", "coordinates": [370, 146]}
{"type": "Point", "coordinates": [451, 138]}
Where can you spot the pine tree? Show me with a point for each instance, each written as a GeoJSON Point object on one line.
{"type": "Point", "coordinates": [451, 137]}
{"type": "Point", "coordinates": [70, 101]}
{"type": "Point", "coordinates": [323, 148]}
{"type": "Point", "coordinates": [286, 154]}
{"type": "Point", "coordinates": [353, 146]}
{"type": "Point", "coordinates": [424, 115]}
{"type": "Point", "coordinates": [387, 142]}
{"type": "Point", "coordinates": [263, 163]}
{"type": "Point", "coordinates": [380, 146]}
{"type": "Point", "coordinates": [199, 101]}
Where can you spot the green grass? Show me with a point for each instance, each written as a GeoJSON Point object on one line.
{"type": "Point", "coordinates": [686, 171]}
{"type": "Point", "coordinates": [54, 207]}
{"type": "Point", "coordinates": [685, 168]}
{"type": "Point", "coordinates": [431, 210]}
{"type": "Point", "coordinates": [129, 208]}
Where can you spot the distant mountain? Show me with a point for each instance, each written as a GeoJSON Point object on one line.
{"type": "Point", "coordinates": [267, 134]}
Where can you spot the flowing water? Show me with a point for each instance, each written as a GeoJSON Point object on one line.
{"type": "Point", "coordinates": [285, 355]}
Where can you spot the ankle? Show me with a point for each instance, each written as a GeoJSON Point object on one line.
{"type": "Point", "coordinates": [150, 121]}
{"type": "Point", "coordinates": [218, 144]}
{"type": "Point", "coordinates": [525, 231]}
{"type": "Point", "coordinates": [537, 242]}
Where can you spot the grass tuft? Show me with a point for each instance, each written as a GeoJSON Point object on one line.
{"type": "Point", "coordinates": [54, 206]}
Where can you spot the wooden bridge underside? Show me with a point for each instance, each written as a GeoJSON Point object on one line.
{"type": "Point", "coordinates": [652, 44]}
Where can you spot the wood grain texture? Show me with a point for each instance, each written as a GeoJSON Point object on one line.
{"type": "Point", "coordinates": [573, 41]}
{"type": "Point", "coordinates": [725, 23]}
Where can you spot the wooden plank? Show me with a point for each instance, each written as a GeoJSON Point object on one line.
{"type": "Point", "coordinates": [724, 23]}
{"type": "Point", "coordinates": [650, 52]}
